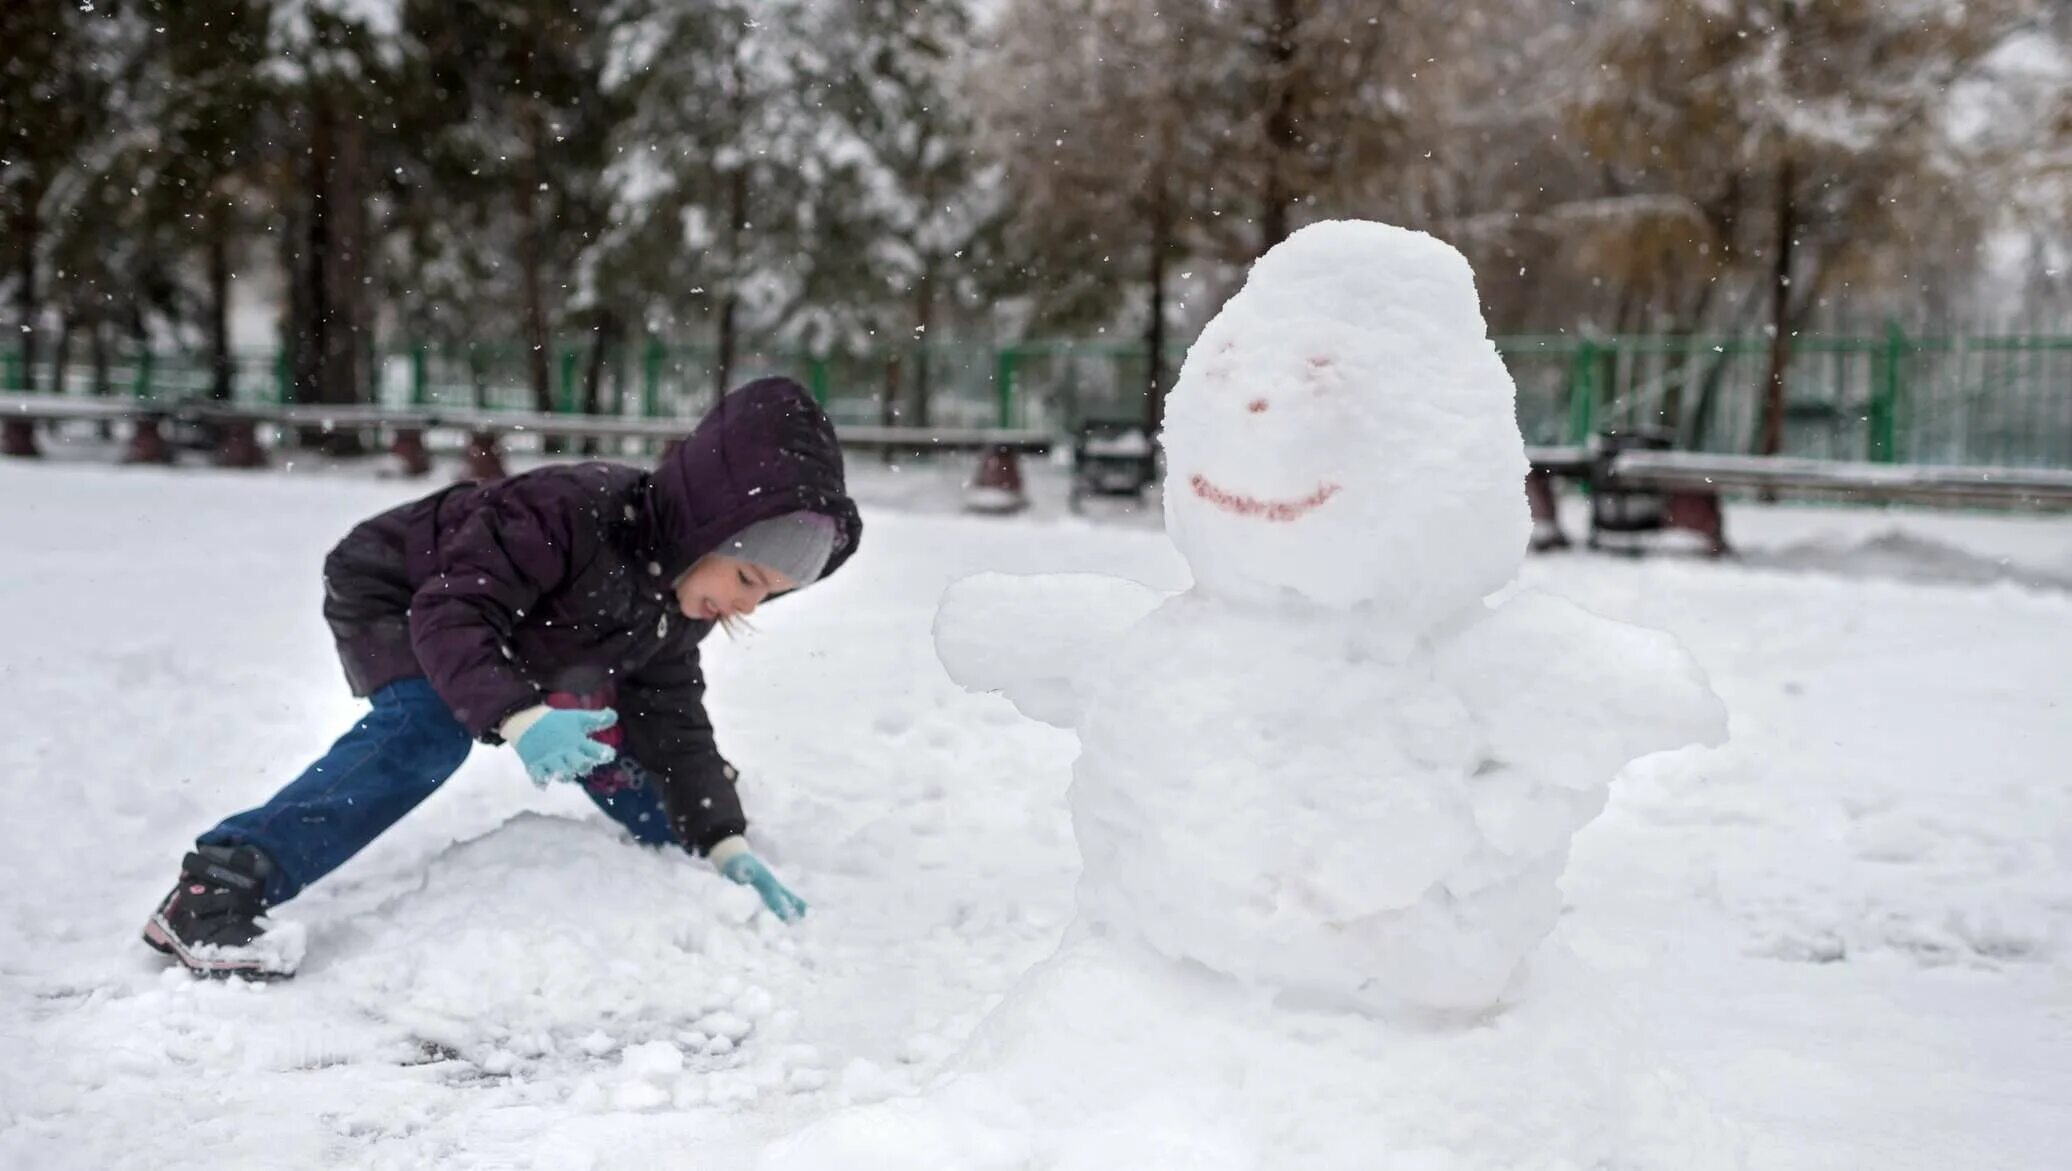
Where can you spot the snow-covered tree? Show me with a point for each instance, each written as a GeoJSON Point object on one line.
{"type": "Point", "coordinates": [193, 86]}
{"type": "Point", "coordinates": [56, 116]}
{"type": "Point", "coordinates": [906, 208]}
{"type": "Point", "coordinates": [1814, 136]}
{"type": "Point", "coordinates": [1096, 109]}
{"type": "Point", "coordinates": [332, 62]}
{"type": "Point", "coordinates": [510, 124]}
{"type": "Point", "coordinates": [1312, 96]}
{"type": "Point", "coordinates": [712, 172]}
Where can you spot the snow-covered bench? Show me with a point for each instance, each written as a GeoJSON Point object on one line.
{"type": "Point", "coordinates": [1688, 486]}
{"type": "Point", "coordinates": [996, 487]}
{"type": "Point", "coordinates": [1111, 457]}
{"type": "Point", "coordinates": [19, 414]}
{"type": "Point", "coordinates": [485, 428]}
{"type": "Point", "coordinates": [1549, 464]}
{"type": "Point", "coordinates": [1701, 479]}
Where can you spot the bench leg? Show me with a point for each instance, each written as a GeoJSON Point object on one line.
{"type": "Point", "coordinates": [998, 485]}
{"type": "Point", "coordinates": [1546, 516]}
{"type": "Point", "coordinates": [18, 438]}
{"type": "Point", "coordinates": [483, 460]}
{"type": "Point", "coordinates": [409, 450]}
{"type": "Point", "coordinates": [237, 445]}
{"type": "Point", "coordinates": [147, 443]}
{"type": "Point", "coordinates": [1699, 512]}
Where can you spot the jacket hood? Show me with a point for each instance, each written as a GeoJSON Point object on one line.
{"type": "Point", "coordinates": [767, 449]}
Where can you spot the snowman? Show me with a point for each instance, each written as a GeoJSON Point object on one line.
{"type": "Point", "coordinates": [1324, 795]}
{"type": "Point", "coordinates": [1335, 766]}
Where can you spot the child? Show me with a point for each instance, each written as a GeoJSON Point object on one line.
{"type": "Point", "coordinates": [558, 611]}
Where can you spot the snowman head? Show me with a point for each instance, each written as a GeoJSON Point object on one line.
{"type": "Point", "coordinates": [1344, 431]}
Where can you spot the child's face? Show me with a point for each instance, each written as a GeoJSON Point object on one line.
{"type": "Point", "coordinates": [719, 587]}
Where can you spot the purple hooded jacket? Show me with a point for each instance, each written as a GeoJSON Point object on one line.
{"type": "Point", "coordinates": [560, 580]}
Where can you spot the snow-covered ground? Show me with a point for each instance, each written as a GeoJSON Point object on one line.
{"type": "Point", "coordinates": [1850, 927]}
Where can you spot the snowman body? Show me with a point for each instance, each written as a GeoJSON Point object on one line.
{"type": "Point", "coordinates": [1319, 769]}
{"type": "Point", "coordinates": [1324, 795]}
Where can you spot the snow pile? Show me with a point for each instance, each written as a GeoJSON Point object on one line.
{"type": "Point", "coordinates": [1328, 779]}
{"type": "Point", "coordinates": [666, 958]}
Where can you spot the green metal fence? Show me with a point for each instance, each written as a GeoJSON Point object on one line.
{"type": "Point", "coordinates": [1888, 396]}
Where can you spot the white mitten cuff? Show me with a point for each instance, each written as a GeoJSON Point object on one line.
{"type": "Point", "coordinates": [518, 723]}
{"type": "Point", "coordinates": [726, 850]}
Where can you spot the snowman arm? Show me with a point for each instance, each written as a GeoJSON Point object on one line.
{"type": "Point", "coordinates": [1565, 691]}
{"type": "Point", "coordinates": [1032, 638]}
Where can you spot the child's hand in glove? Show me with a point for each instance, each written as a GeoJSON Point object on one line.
{"type": "Point", "coordinates": [734, 860]}
{"type": "Point", "coordinates": [555, 743]}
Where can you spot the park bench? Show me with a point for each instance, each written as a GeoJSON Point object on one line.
{"type": "Point", "coordinates": [19, 414]}
{"type": "Point", "coordinates": [999, 447]}
{"type": "Point", "coordinates": [996, 487]}
{"type": "Point", "coordinates": [1548, 466]}
{"type": "Point", "coordinates": [1111, 458]}
{"type": "Point", "coordinates": [1686, 488]}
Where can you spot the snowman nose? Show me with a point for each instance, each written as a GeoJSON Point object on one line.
{"type": "Point", "coordinates": [1256, 406]}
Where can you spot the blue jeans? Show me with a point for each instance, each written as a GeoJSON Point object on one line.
{"type": "Point", "coordinates": [391, 760]}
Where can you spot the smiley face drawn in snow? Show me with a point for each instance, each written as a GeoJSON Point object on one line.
{"type": "Point", "coordinates": [1239, 504]}
{"type": "Point", "coordinates": [1319, 376]}
{"type": "Point", "coordinates": [1343, 430]}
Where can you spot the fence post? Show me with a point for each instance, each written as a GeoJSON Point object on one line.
{"type": "Point", "coordinates": [142, 387]}
{"type": "Point", "coordinates": [1582, 391]}
{"type": "Point", "coordinates": [651, 377]}
{"type": "Point", "coordinates": [1884, 407]}
{"type": "Point", "coordinates": [420, 377]}
{"type": "Point", "coordinates": [17, 436]}
{"type": "Point", "coordinates": [816, 379]}
{"type": "Point", "coordinates": [1003, 382]}
{"type": "Point", "coordinates": [570, 396]}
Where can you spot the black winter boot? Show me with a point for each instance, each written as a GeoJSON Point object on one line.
{"type": "Point", "coordinates": [210, 921]}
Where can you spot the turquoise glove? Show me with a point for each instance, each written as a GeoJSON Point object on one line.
{"type": "Point", "coordinates": [748, 870]}
{"type": "Point", "coordinates": [558, 746]}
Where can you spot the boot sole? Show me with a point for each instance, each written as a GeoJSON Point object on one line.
{"type": "Point", "coordinates": [161, 938]}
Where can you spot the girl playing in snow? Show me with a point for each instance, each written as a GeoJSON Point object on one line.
{"type": "Point", "coordinates": [558, 611]}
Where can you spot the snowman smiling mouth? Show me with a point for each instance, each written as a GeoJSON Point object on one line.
{"type": "Point", "coordinates": [1240, 504]}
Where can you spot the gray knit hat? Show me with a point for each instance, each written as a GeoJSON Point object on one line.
{"type": "Point", "coordinates": [796, 544]}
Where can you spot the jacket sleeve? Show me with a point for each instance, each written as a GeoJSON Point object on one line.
{"type": "Point", "coordinates": [490, 573]}
{"type": "Point", "coordinates": [662, 710]}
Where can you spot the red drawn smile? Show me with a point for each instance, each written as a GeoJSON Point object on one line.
{"type": "Point", "coordinates": [1274, 510]}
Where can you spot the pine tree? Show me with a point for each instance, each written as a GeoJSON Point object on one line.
{"type": "Point", "coordinates": [196, 78]}
{"type": "Point", "coordinates": [906, 207]}
{"type": "Point", "coordinates": [55, 106]}
{"type": "Point", "coordinates": [506, 105]}
{"type": "Point", "coordinates": [713, 170]}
